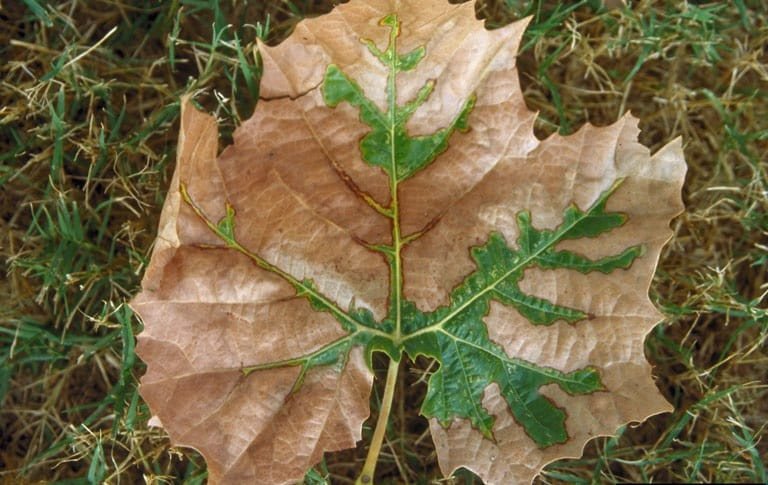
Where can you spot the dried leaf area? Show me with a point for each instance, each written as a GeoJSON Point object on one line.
{"type": "Point", "coordinates": [388, 195]}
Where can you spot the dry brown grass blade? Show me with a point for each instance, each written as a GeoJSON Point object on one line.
{"type": "Point", "coordinates": [696, 70]}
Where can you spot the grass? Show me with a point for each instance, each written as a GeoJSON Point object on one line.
{"type": "Point", "coordinates": [88, 122]}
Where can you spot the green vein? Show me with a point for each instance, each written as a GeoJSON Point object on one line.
{"type": "Point", "coordinates": [523, 263]}
{"type": "Point", "coordinates": [225, 231]}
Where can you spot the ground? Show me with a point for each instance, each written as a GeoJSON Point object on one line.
{"type": "Point", "coordinates": [89, 107]}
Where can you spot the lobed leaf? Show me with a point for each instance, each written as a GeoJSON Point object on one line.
{"type": "Point", "coordinates": [388, 196]}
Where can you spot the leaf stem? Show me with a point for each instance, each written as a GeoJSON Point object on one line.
{"type": "Point", "coordinates": [366, 476]}
{"type": "Point", "coordinates": [395, 261]}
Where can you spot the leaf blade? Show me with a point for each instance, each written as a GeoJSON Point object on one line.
{"type": "Point", "coordinates": [308, 243]}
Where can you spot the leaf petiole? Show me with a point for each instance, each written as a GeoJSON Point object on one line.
{"type": "Point", "coordinates": [366, 476]}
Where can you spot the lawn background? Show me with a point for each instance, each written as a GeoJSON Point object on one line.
{"type": "Point", "coordinates": [89, 107]}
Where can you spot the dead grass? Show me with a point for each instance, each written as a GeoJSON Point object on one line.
{"type": "Point", "coordinates": [88, 120]}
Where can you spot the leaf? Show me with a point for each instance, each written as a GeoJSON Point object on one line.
{"type": "Point", "coordinates": [388, 195]}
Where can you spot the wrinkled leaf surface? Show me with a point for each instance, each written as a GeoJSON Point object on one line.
{"type": "Point", "coordinates": [388, 195]}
